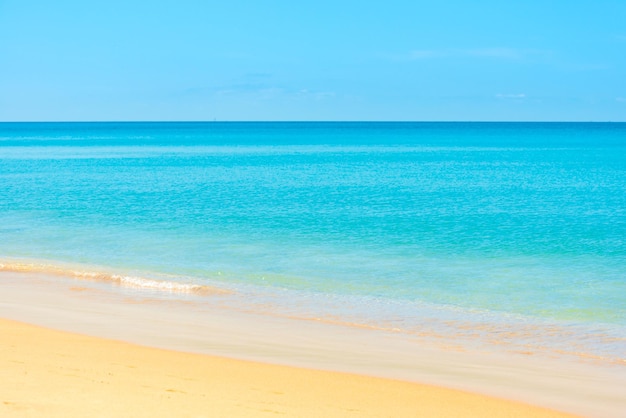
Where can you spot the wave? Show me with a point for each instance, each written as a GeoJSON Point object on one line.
{"type": "Point", "coordinates": [134, 282]}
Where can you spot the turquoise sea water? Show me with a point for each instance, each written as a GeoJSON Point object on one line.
{"type": "Point", "coordinates": [415, 227]}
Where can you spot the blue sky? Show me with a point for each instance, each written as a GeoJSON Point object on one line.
{"type": "Point", "coordinates": [322, 60]}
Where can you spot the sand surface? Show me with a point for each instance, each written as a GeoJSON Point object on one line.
{"type": "Point", "coordinates": [213, 331]}
{"type": "Point", "coordinates": [49, 373]}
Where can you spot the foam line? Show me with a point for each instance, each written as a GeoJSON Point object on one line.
{"type": "Point", "coordinates": [134, 282]}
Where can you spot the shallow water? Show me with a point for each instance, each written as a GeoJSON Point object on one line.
{"type": "Point", "coordinates": [484, 235]}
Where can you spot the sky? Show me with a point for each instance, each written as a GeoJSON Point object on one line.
{"type": "Point", "coordinates": [405, 60]}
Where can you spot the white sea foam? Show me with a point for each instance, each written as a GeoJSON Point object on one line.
{"type": "Point", "coordinates": [168, 286]}
{"type": "Point", "coordinates": [135, 282]}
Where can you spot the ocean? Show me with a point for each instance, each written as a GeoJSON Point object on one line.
{"type": "Point", "coordinates": [504, 236]}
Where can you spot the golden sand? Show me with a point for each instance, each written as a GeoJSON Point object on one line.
{"type": "Point", "coordinates": [47, 373]}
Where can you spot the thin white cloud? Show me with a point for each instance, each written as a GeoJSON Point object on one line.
{"type": "Point", "coordinates": [268, 93]}
{"type": "Point", "coordinates": [518, 96]}
{"type": "Point", "coordinates": [258, 75]}
{"type": "Point", "coordinates": [425, 54]}
{"type": "Point", "coordinates": [505, 53]}
{"type": "Point", "coordinates": [274, 92]}
{"type": "Point", "coordinates": [316, 95]}
{"type": "Point", "coordinates": [243, 89]}
{"type": "Point", "coordinates": [502, 53]}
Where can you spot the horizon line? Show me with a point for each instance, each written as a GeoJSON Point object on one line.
{"type": "Point", "coordinates": [307, 121]}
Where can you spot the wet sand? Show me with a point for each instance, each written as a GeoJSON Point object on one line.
{"type": "Point", "coordinates": [285, 366]}
{"type": "Point", "coordinates": [58, 374]}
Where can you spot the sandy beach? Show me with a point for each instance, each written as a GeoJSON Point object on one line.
{"type": "Point", "coordinates": [96, 350]}
{"type": "Point", "coordinates": [58, 374]}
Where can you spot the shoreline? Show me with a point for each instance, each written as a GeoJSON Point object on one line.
{"type": "Point", "coordinates": [451, 327]}
{"type": "Point", "coordinates": [94, 310]}
{"type": "Point", "coordinates": [74, 375]}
